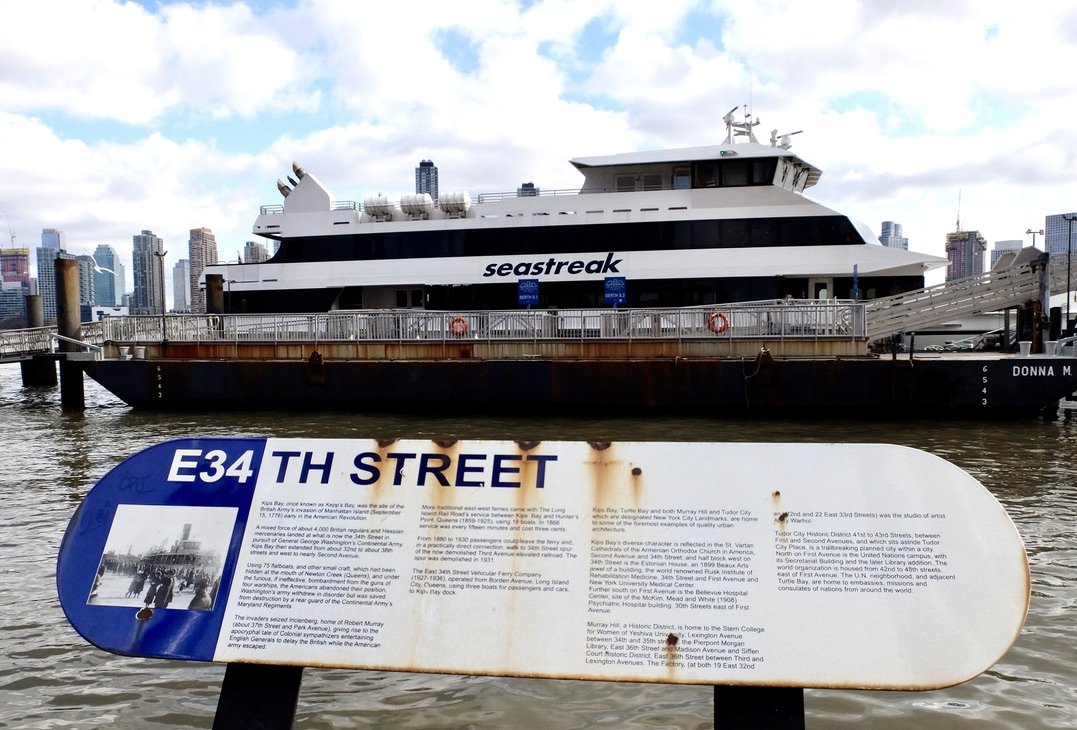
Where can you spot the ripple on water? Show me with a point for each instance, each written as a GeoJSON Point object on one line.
{"type": "Point", "coordinates": [51, 678]}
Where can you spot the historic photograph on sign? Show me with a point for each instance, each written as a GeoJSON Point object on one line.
{"type": "Point", "coordinates": [163, 557]}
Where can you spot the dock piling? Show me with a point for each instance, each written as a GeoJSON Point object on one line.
{"type": "Point", "coordinates": [69, 325]}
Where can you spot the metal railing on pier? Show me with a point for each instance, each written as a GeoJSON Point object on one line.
{"type": "Point", "coordinates": [25, 343]}
{"type": "Point", "coordinates": [775, 320]}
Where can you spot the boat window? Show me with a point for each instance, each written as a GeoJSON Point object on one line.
{"type": "Point", "coordinates": [626, 183]}
{"type": "Point", "coordinates": [682, 178]}
{"type": "Point", "coordinates": [734, 173]}
{"type": "Point", "coordinates": [765, 232]}
{"type": "Point", "coordinates": [763, 171]}
{"type": "Point", "coordinates": [735, 232]}
{"type": "Point", "coordinates": [705, 174]}
{"type": "Point", "coordinates": [652, 181]}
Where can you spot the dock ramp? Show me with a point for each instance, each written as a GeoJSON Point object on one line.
{"type": "Point", "coordinates": [1004, 287]}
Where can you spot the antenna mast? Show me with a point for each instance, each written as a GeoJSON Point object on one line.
{"type": "Point", "coordinates": [958, 229]}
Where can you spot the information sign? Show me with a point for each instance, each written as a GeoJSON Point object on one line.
{"type": "Point", "coordinates": [528, 292]}
{"type": "Point", "coordinates": [614, 287]}
{"type": "Point", "coordinates": [809, 565]}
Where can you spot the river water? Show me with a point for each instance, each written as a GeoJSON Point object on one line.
{"type": "Point", "coordinates": [51, 678]}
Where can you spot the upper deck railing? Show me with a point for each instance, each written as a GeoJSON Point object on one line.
{"type": "Point", "coordinates": [774, 320]}
{"type": "Point", "coordinates": [278, 208]}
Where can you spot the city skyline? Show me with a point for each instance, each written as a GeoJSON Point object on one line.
{"type": "Point", "coordinates": [96, 146]}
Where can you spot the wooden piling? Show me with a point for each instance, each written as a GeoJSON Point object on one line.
{"type": "Point", "coordinates": [69, 324]}
{"type": "Point", "coordinates": [37, 372]}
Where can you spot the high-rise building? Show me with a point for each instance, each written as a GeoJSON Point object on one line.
{"type": "Point", "coordinates": [46, 280]}
{"type": "Point", "coordinates": [1057, 234]}
{"type": "Point", "coordinates": [426, 179]}
{"type": "Point", "coordinates": [14, 286]}
{"type": "Point", "coordinates": [108, 278]}
{"type": "Point", "coordinates": [52, 238]}
{"type": "Point", "coordinates": [15, 266]}
{"type": "Point", "coordinates": [527, 190]}
{"type": "Point", "coordinates": [12, 306]}
{"type": "Point", "coordinates": [181, 286]}
{"type": "Point", "coordinates": [965, 250]}
{"type": "Point", "coordinates": [891, 236]}
{"type": "Point", "coordinates": [202, 251]}
{"type": "Point", "coordinates": [148, 264]}
{"type": "Point", "coordinates": [1002, 247]}
{"type": "Point", "coordinates": [255, 252]}
{"type": "Point", "coordinates": [87, 294]}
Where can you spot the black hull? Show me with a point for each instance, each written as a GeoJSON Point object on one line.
{"type": "Point", "coordinates": [969, 387]}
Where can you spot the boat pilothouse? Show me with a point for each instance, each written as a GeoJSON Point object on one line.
{"type": "Point", "coordinates": [666, 228]}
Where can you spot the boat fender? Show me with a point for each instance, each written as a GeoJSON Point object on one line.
{"type": "Point", "coordinates": [717, 322]}
{"type": "Point", "coordinates": [458, 326]}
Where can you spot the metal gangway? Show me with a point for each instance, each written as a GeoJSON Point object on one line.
{"type": "Point", "coordinates": [994, 291]}
{"type": "Point", "coordinates": [24, 344]}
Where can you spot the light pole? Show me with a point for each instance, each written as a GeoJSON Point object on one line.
{"type": "Point", "coordinates": [1069, 282]}
{"type": "Point", "coordinates": [161, 267]}
{"type": "Point", "coordinates": [1040, 232]}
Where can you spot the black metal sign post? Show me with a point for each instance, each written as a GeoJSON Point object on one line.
{"type": "Point", "coordinates": [258, 697]}
{"type": "Point", "coordinates": [751, 708]}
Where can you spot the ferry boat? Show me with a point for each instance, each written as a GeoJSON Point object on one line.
{"type": "Point", "coordinates": [698, 279]}
{"type": "Point", "coordinates": [671, 228]}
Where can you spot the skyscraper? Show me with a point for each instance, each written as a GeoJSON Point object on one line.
{"type": "Point", "coordinates": [891, 236]}
{"type": "Point", "coordinates": [1058, 230]}
{"type": "Point", "coordinates": [52, 238]}
{"type": "Point", "coordinates": [109, 281]}
{"type": "Point", "coordinates": [255, 252]}
{"type": "Point", "coordinates": [14, 286]}
{"type": "Point", "coordinates": [149, 270]}
{"type": "Point", "coordinates": [46, 280]}
{"type": "Point", "coordinates": [426, 179]}
{"type": "Point", "coordinates": [202, 251]}
{"type": "Point", "coordinates": [87, 294]}
{"type": "Point", "coordinates": [15, 266]}
{"type": "Point", "coordinates": [965, 250]}
{"type": "Point", "coordinates": [181, 286]}
{"type": "Point", "coordinates": [1002, 247]}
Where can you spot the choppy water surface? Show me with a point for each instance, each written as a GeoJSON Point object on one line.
{"type": "Point", "coordinates": [50, 678]}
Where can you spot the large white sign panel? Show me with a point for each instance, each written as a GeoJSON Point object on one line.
{"type": "Point", "coordinates": [813, 565]}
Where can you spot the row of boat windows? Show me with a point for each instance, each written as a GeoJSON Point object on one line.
{"type": "Point", "coordinates": [705, 174]}
{"type": "Point", "coordinates": [564, 295]}
{"type": "Point", "coordinates": [538, 240]}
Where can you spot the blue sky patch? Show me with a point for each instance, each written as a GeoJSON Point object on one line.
{"type": "Point", "coordinates": [458, 48]}
{"type": "Point", "coordinates": [702, 24]}
{"type": "Point", "coordinates": [895, 120]}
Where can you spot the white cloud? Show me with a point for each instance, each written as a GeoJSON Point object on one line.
{"type": "Point", "coordinates": [119, 118]}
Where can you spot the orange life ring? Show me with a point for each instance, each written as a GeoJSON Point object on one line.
{"type": "Point", "coordinates": [458, 326]}
{"type": "Point", "coordinates": [717, 322]}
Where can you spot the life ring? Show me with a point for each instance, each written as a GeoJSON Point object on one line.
{"type": "Point", "coordinates": [458, 326]}
{"type": "Point", "coordinates": [717, 322]}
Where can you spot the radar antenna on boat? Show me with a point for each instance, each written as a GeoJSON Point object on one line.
{"type": "Point", "coordinates": [782, 140]}
{"type": "Point", "coordinates": [734, 128]}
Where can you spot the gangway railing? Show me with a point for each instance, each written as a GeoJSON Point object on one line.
{"type": "Point", "coordinates": [24, 344]}
{"type": "Point", "coordinates": [775, 320]}
{"type": "Point", "coordinates": [972, 295]}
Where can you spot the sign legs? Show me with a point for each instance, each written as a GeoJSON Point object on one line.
{"type": "Point", "coordinates": [258, 697]}
{"type": "Point", "coordinates": [750, 708]}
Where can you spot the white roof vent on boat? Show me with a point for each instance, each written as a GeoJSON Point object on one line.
{"type": "Point", "coordinates": [455, 204]}
{"type": "Point", "coordinates": [379, 207]}
{"type": "Point", "coordinates": [417, 206]}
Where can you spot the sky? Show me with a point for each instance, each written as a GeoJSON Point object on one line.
{"type": "Point", "coordinates": [121, 116]}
